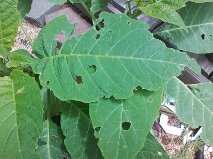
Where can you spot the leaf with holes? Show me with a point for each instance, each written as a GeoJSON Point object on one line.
{"type": "Point", "coordinates": [199, 21]}
{"type": "Point", "coordinates": [77, 128]}
{"type": "Point", "coordinates": [9, 22]}
{"type": "Point", "coordinates": [104, 63]}
{"type": "Point", "coordinates": [24, 7]}
{"type": "Point", "coordinates": [194, 107]}
{"type": "Point", "coordinates": [50, 144]}
{"type": "Point", "coordinates": [21, 116]}
{"type": "Point", "coordinates": [152, 149]}
{"type": "Point", "coordinates": [122, 125]}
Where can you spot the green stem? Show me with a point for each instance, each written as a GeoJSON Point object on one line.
{"type": "Point", "coordinates": [27, 35]}
{"type": "Point", "coordinates": [90, 13]}
{"type": "Point", "coordinates": [128, 9]}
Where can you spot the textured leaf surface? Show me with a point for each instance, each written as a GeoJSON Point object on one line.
{"type": "Point", "coordinates": [165, 12]}
{"type": "Point", "coordinates": [152, 149]}
{"type": "Point", "coordinates": [9, 21]}
{"type": "Point", "coordinates": [21, 116]}
{"type": "Point", "coordinates": [4, 71]}
{"type": "Point", "coordinates": [51, 142]}
{"type": "Point", "coordinates": [199, 21]}
{"type": "Point", "coordinates": [98, 5]}
{"type": "Point", "coordinates": [80, 140]}
{"type": "Point", "coordinates": [24, 7]}
{"type": "Point", "coordinates": [18, 58]}
{"type": "Point", "coordinates": [194, 109]}
{"type": "Point", "coordinates": [201, 1]}
{"type": "Point", "coordinates": [122, 125]}
{"type": "Point", "coordinates": [112, 61]}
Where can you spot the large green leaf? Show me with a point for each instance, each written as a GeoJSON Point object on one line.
{"type": "Point", "coordinates": [9, 21]}
{"type": "Point", "coordinates": [112, 61]}
{"type": "Point", "coordinates": [122, 125]}
{"type": "Point", "coordinates": [77, 128]}
{"type": "Point", "coordinates": [51, 142]}
{"type": "Point", "coordinates": [194, 108]}
{"type": "Point", "coordinates": [199, 21]}
{"type": "Point", "coordinates": [21, 116]}
{"type": "Point", "coordinates": [24, 7]}
{"type": "Point", "coordinates": [165, 12]}
{"type": "Point", "coordinates": [152, 149]}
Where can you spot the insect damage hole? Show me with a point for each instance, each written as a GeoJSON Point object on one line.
{"type": "Point", "coordinates": [203, 36]}
{"type": "Point", "coordinates": [97, 129]}
{"type": "Point", "coordinates": [78, 79]}
{"type": "Point", "coordinates": [126, 125]}
{"type": "Point", "coordinates": [97, 36]}
{"type": "Point", "coordinates": [92, 69]}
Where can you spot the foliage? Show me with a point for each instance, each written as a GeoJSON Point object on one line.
{"type": "Point", "coordinates": [98, 94]}
{"type": "Point", "coordinates": [199, 35]}
{"type": "Point", "coordinates": [194, 107]}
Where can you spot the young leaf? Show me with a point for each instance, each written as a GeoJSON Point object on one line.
{"type": "Point", "coordinates": [97, 5]}
{"type": "Point", "coordinates": [80, 140]}
{"type": "Point", "coordinates": [122, 125]}
{"type": "Point", "coordinates": [24, 7]}
{"type": "Point", "coordinates": [9, 23]}
{"type": "Point", "coordinates": [194, 108]}
{"type": "Point", "coordinates": [18, 58]}
{"type": "Point", "coordinates": [112, 61]}
{"type": "Point", "coordinates": [164, 12]}
{"type": "Point", "coordinates": [51, 142]}
{"type": "Point", "coordinates": [198, 20]}
{"type": "Point", "coordinates": [152, 149]}
{"type": "Point", "coordinates": [21, 116]}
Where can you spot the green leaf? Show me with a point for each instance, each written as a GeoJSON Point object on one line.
{"type": "Point", "coordinates": [51, 142]}
{"type": "Point", "coordinates": [122, 125]}
{"type": "Point", "coordinates": [4, 71]}
{"type": "Point", "coordinates": [194, 109]}
{"type": "Point", "coordinates": [198, 20]}
{"type": "Point", "coordinates": [85, 63]}
{"type": "Point", "coordinates": [201, 1]}
{"type": "Point", "coordinates": [152, 149]}
{"type": "Point", "coordinates": [59, 2]}
{"type": "Point", "coordinates": [18, 58]}
{"type": "Point", "coordinates": [9, 22]}
{"type": "Point", "coordinates": [97, 5]}
{"type": "Point", "coordinates": [175, 4]}
{"type": "Point", "coordinates": [80, 140]}
{"type": "Point", "coordinates": [164, 12]}
{"type": "Point", "coordinates": [21, 116]}
{"type": "Point", "coordinates": [24, 7]}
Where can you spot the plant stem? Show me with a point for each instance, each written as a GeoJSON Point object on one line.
{"type": "Point", "coordinates": [27, 35]}
{"type": "Point", "coordinates": [90, 13]}
{"type": "Point", "coordinates": [128, 9]}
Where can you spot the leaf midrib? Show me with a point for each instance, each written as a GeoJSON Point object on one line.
{"type": "Point", "coordinates": [187, 27]}
{"type": "Point", "coordinates": [112, 57]}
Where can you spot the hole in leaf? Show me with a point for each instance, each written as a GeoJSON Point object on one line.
{"type": "Point", "coordinates": [203, 36]}
{"type": "Point", "coordinates": [92, 69]}
{"type": "Point", "coordinates": [129, 23]}
{"type": "Point", "coordinates": [110, 31]}
{"type": "Point", "coordinates": [126, 125]}
{"type": "Point", "coordinates": [48, 82]}
{"type": "Point", "coordinates": [210, 35]}
{"type": "Point", "coordinates": [137, 89]}
{"type": "Point", "coordinates": [78, 79]}
{"type": "Point", "coordinates": [97, 129]}
{"type": "Point", "coordinates": [97, 36]}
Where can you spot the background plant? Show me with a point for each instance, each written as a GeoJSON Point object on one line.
{"type": "Point", "coordinates": [81, 106]}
